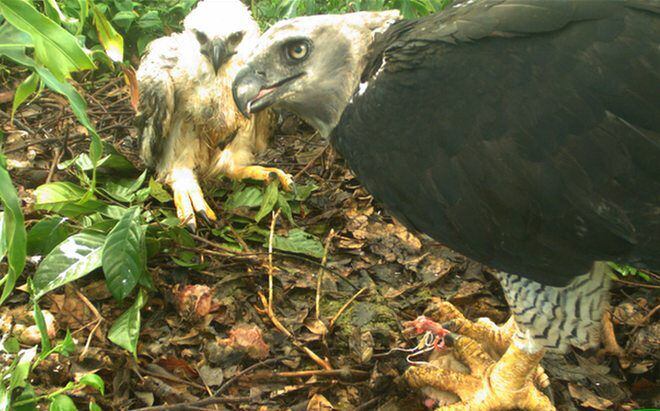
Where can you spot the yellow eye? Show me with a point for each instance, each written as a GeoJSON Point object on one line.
{"type": "Point", "coordinates": [297, 51]}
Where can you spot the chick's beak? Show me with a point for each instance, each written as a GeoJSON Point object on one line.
{"type": "Point", "coordinates": [217, 53]}
{"type": "Point", "coordinates": [247, 89]}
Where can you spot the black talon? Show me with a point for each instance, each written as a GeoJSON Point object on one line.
{"type": "Point", "coordinates": [205, 217]}
{"type": "Point", "coordinates": [191, 226]}
{"type": "Point", "coordinates": [451, 339]}
{"type": "Point", "coordinates": [450, 325]}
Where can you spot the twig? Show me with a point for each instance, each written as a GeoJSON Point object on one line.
{"type": "Point", "coordinates": [345, 306]}
{"type": "Point", "coordinates": [43, 141]}
{"type": "Point", "coordinates": [646, 318]}
{"type": "Point", "coordinates": [201, 403]}
{"type": "Point", "coordinates": [267, 303]}
{"type": "Point", "coordinates": [633, 284]}
{"type": "Point", "coordinates": [319, 276]}
{"type": "Point", "coordinates": [18, 122]}
{"type": "Point", "coordinates": [57, 155]}
{"type": "Point", "coordinates": [310, 162]}
{"type": "Point", "coordinates": [83, 354]}
{"type": "Point", "coordinates": [235, 378]}
{"type": "Point", "coordinates": [172, 378]}
{"type": "Point", "coordinates": [367, 405]}
{"type": "Point", "coordinates": [342, 373]}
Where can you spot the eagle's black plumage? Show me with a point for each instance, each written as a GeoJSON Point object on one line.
{"type": "Point", "coordinates": [525, 135]}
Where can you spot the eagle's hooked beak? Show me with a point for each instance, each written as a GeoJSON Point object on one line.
{"type": "Point", "coordinates": [253, 92]}
{"type": "Point", "coordinates": [248, 90]}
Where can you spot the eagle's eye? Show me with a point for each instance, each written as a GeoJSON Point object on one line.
{"type": "Point", "coordinates": [297, 50]}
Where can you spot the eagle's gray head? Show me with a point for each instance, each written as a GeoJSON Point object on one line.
{"type": "Point", "coordinates": [310, 65]}
{"type": "Point", "coordinates": [220, 26]}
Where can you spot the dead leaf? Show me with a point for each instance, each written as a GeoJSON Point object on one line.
{"type": "Point", "coordinates": [194, 301]}
{"type": "Point", "coordinates": [213, 377]}
{"type": "Point", "coordinates": [586, 398]}
{"type": "Point", "coordinates": [319, 403]}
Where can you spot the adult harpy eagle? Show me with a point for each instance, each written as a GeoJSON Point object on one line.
{"type": "Point", "coordinates": [189, 124]}
{"type": "Point", "coordinates": [522, 133]}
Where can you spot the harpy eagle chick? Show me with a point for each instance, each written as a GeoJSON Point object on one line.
{"type": "Point", "coordinates": [189, 125]}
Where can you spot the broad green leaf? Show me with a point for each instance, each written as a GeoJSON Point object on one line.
{"type": "Point", "coordinates": [126, 329]}
{"type": "Point", "coordinates": [112, 211]}
{"type": "Point", "coordinates": [65, 347]}
{"type": "Point", "coordinates": [27, 396]}
{"type": "Point", "coordinates": [3, 240]}
{"type": "Point", "coordinates": [23, 91]}
{"type": "Point", "coordinates": [55, 47]}
{"type": "Point", "coordinates": [13, 232]}
{"type": "Point", "coordinates": [300, 242]}
{"type": "Point", "coordinates": [124, 190]}
{"type": "Point", "coordinates": [285, 207]}
{"type": "Point", "coordinates": [94, 381]}
{"type": "Point", "coordinates": [83, 11]}
{"type": "Point", "coordinates": [62, 403]}
{"type": "Point", "coordinates": [74, 258]}
{"type": "Point", "coordinates": [58, 192]}
{"type": "Point", "coordinates": [43, 328]}
{"type": "Point", "coordinates": [112, 42]}
{"type": "Point", "coordinates": [54, 12]}
{"type": "Point", "coordinates": [18, 378]}
{"type": "Point", "coordinates": [94, 407]}
{"type": "Point", "coordinates": [11, 345]}
{"type": "Point", "coordinates": [44, 236]}
{"type": "Point", "coordinates": [269, 201]}
{"type": "Point", "coordinates": [64, 198]}
{"type": "Point", "coordinates": [248, 197]}
{"type": "Point", "coordinates": [124, 19]}
{"type": "Point", "coordinates": [158, 192]}
{"type": "Point", "coordinates": [150, 21]}
{"type": "Point", "coordinates": [124, 254]}
{"type": "Point", "coordinates": [111, 162]}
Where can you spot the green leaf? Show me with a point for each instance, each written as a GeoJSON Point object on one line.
{"type": "Point", "coordinates": [94, 381]}
{"type": "Point", "coordinates": [11, 345]}
{"type": "Point", "coordinates": [248, 197]}
{"type": "Point", "coordinates": [113, 162]}
{"type": "Point", "coordinates": [74, 258]}
{"type": "Point", "coordinates": [18, 378]}
{"type": "Point", "coordinates": [64, 198]}
{"type": "Point", "coordinates": [123, 190]}
{"type": "Point", "coordinates": [269, 200]}
{"type": "Point", "coordinates": [158, 192]}
{"type": "Point", "coordinates": [66, 347]}
{"type": "Point", "coordinates": [126, 329]}
{"type": "Point", "coordinates": [62, 403]}
{"type": "Point", "coordinates": [112, 42]}
{"type": "Point", "coordinates": [94, 407]}
{"type": "Point", "coordinates": [13, 232]}
{"type": "Point", "coordinates": [28, 397]}
{"type": "Point", "coordinates": [23, 91]}
{"type": "Point", "coordinates": [43, 328]}
{"type": "Point", "coordinates": [55, 47]}
{"type": "Point", "coordinates": [53, 11]}
{"type": "Point", "coordinates": [124, 19]}
{"type": "Point", "coordinates": [44, 236]}
{"type": "Point", "coordinates": [285, 207]}
{"type": "Point", "coordinates": [3, 240]}
{"type": "Point", "coordinates": [300, 242]}
{"type": "Point", "coordinates": [124, 254]}
{"type": "Point", "coordinates": [150, 21]}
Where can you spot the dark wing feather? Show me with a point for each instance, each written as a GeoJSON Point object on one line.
{"type": "Point", "coordinates": [523, 134]}
{"type": "Point", "coordinates": [157, 93]}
